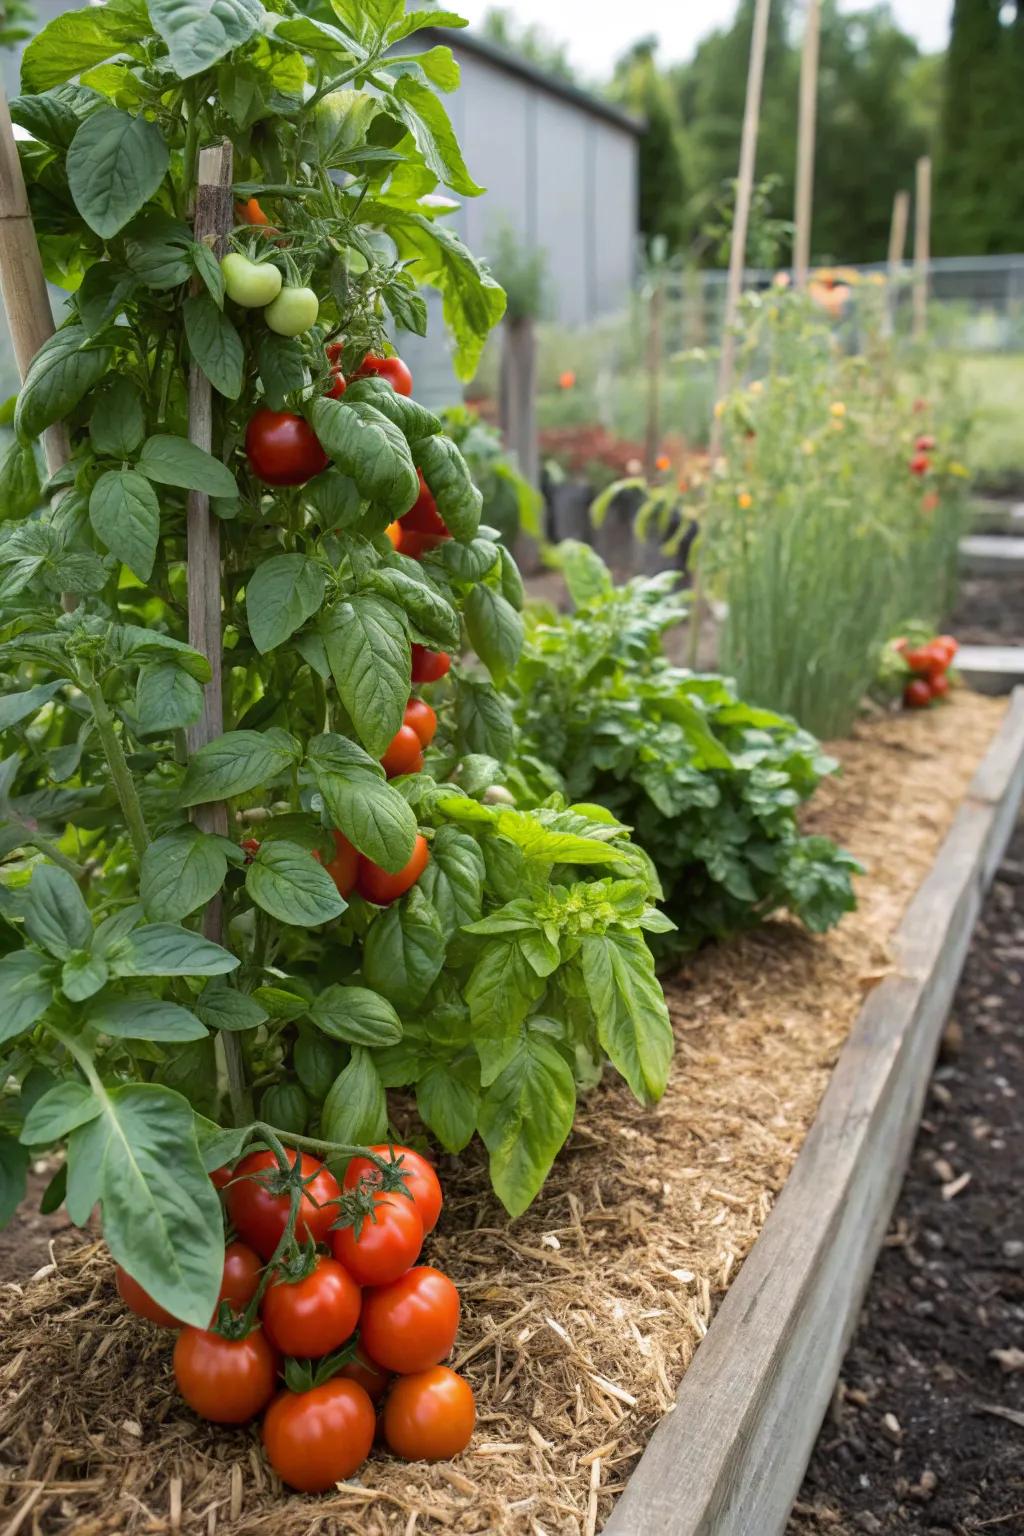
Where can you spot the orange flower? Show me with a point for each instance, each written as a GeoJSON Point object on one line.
{"type": "Point", "coordinates": [567, 380]}
{"type": "Point", "coordinates": [744, 501]}
{"type": "Point", "coordinates": [663, 462]}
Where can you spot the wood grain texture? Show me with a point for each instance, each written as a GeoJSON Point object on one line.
{"type": "Point", "coordinates": [729, 1459]}
{"type": "Point", "coordinates": [22, 283]}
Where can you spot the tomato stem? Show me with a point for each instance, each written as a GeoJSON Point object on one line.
{"type": "Point", "coordinates": [113, 751]}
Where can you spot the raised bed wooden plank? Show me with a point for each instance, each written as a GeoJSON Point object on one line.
{"type": "Point", "coordinates": [729, 1459]}
{"type": "Point", "coordinates": [997, 517]}
{"type": "Point", "coordinates": [992, 554]}
{"type": "Point", "coordinates": [991, 668]}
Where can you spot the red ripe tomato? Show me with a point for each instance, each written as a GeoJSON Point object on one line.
{"type": "Point", "coordinates": [925, 444]}
{"type": "Point", "coordinates": [225, 1380]}
{"type": "Point", "coordinates": [388, 1241]}
{"type": "Point", "coordinates": [259, 1210]}
{"type": "Point", "coordinates": [314, 1316]}
{"type": "Point", "coordinates": [920, 464]}
{"type": "Point", "coordinates": [141, 1302]}
{"type": "Point", "coordinates": [413, 544]}
{"type": "Point", "coordinates": [410, 1324]}
{"type": "Point", "coordinates": [390, 368]}
{"type": "Point", "coordinates": [928, 660]}
{"type": "Point", "coordinates": [949, 647]}
{"type": "Point", "coordinates": [917, 694]}
{"type": "Point", "coordinates": [338, 386]}
{"type": "Point", "coordinates": [369, 1375]}
{"type": "Point", "coordinates": [940, 686]}
{"type": "Point", "coordinates": [283, 449]}
{"type": "Point", "coordinates": [421, 1180]}
{"type": "Point", "coordinates": [430, 1416]}
{"type": "Point", "coordinates": [316, 1439]}
{"type": "Point", "coordinates": [404, 755]}
{"type": "Point", "coordinates": [428, 666]}
{"type": "Point", "coordinates": [421, 718]}
{"type": "Point", "coordinates": [423, 516]}
{"type": "Point", "coordinates": [344, 866]}
{"type": "Point", "coordinates": [220, 1178]}
{"type": "Point", "coordinates": [335, 351]}
{"type": "Point", "coordinates": [242, 1270]}
{"type": "Point", "coordinates": [382, 888]}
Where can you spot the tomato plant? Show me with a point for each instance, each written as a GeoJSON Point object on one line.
{"type": "Point", "coordinates": [411, 1168]}
{"type": "Point", "coordinates": [404, 753]}
{"type": "Point", "coordinates": [250, 284]}
{"type": "Point", "coordinates": [392, 369]}
{"type": "Point", "coordinates": [410, 1324]}
{"type": "Point", "coordinates": [381, 887]}
{"type": "Point", "coordinates": [314, 1313]}
{"type": "Point", "coordinates": [258, 1200]}
{"type": "Point", "coordinates": [422, 719]}
{"type": "Point", "coordinates": [283, 449]}
{"type": "Point", "coordinates": [315, 1439]}
{"type": "Point", "coordinates": [430, 1416]}
{"type": "Point", "coordinates": [382, 1243]}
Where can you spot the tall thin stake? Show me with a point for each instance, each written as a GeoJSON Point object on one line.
{"type": "Point", "coordinates": [737, 263]}
{"type": "Point", "coordinates": [922, 245]}
{"type": "Point", "coordinates": [22, 282]}
{"type": "Point", "coordinates": [805, 145]}
{"type": "Point", "coordinates": [655, 348]}
{"type": "Point", "coordinates": [213, 220]}
{"type": "Point", "coordinates": [897, 251]}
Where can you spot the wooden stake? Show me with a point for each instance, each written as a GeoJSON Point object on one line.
{"type": "Point", "coordinates": [922, 245]}
{"type": "Point", "coordinates": [655, 325]}
{"type": "Point", "coordinates": [22, 282]}
{"type": "Point", "coordinates": [897, 251]}
{"type": "Point", "coordinates": [805, 145]}
{"type": "Point", "coordinates": [214, 218]}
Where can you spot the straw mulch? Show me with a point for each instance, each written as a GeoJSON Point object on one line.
{"type": "Point", "coordinates": [581, 1317]}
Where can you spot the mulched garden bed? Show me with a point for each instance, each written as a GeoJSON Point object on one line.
{"type": "Point", "coordinates": [926, 1432]}
{"type": "Point", "coordinates": [581, 1317]}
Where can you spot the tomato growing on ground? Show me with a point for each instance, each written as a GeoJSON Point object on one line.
{"type": "Point", "coordinates": [225, 1380]}
{"type": "Point", "coordinates": [939, 686]}
{"type": "Point", "coordinates": [312, 1316]}
{"type": "Point", "coordinates": [283, 449]}
{"type": "Point", "coordinates": [428, 666]}
{"type": "Point", "coordinates": [917, 694]}
{"type": "Point", "coordinates": [371, 1377]}
{"type": "Point", "coordinates": [259, 1207]}
{"type": "Point", "coordinates": [382, 888]}
{"type": "Point", "coordinates": [344, 867]}
{"type": "Point", "coordinates": [422, 719]}
{"type": "Point", "coordinates": [383, 1244]}
{"type": "Point", "coordinates": [420, 1179]}
{"type": "Point", "coordinates": [430, 1416]}
{"type": "Point", "coordinates": [293, 312]}
{"type": "Point", "coordinates": [404, 754]}
{"type": "Point", "coordinates": [410, 1324]}
{"type": "Point", "coordinates": [250, 284]}
{"type": "Point", "coordinates": [242, 1271]}
{"type": "Point", "coordinates": [392, 369]}
{"type": "Point", "coordinates": [139, 1301]}
{"type": "Point", "coordinates": [315, 1439]}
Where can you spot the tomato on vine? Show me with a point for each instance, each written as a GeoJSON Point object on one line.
{"type": "Point", "coordinates": [225, 1380]}
{"type": "Point", "coordinates": [422, 719]}
{"type": "Point", "coordinates": [392, 369]}
{"type": "Point", "coordinates": [317, 1438]}
{"type": "Point", "coordinates": [423, 516]}
{"type": "Point", "coordinates": [259, 1205]}
{"type": "Point", "coordinates": [917, 694]}
{"type": "Point", "coordinates": [293, 312]}
{"type": "Point", "coordinates": [410, 1324]}
{"type": "Point", "coordinates": [381, 887]}
{"type": "Point", "coordinates": [313, 1315]}
{"type": "Point", "coordinates": [338, 385]}
{"type": "Point", "coordinates": [283, 449]}
{"type": "Point", "coordinates": [428, 666]}
{"type": "Point", "coordinates": [250, 212]}
{"type": "Point", "coordinates": [430, 1416]}
{"type": "Point", "coordinates": [139, 1301]}
{"type": "Point", "coordinates": [404, 753]}
{"type": "Point", "coordinates": [241, 1279]}
{"type": "Point", "coordinates": [380, 1246]}
{"type": "Point", "coordinates": [420, 1179]}
{"type": "Point", "coordinates": [250, 284]}
{"type": "Point", "coordinates": [344, 867]}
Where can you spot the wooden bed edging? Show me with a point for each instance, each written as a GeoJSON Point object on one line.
{"type": "Point", "coordinates": [728, 1460]}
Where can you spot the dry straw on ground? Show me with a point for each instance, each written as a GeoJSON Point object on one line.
{"type": "Point", "coordinates": [580, 1318]}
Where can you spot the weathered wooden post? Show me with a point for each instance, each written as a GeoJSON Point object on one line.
{"type": "Point", "coordinates": [922, 245]}
{"type": "Point", "coordinates": [805, 146]}
{"type": "Point", "coordinates": [897, 250]}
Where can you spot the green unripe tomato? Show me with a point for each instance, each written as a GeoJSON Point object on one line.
{"type": "Point", "coordinates": [285, 1106]}
{"type": "Point", "coordinates": [293, 311]}
{"type": "Point", "coordinates": [252, 284]}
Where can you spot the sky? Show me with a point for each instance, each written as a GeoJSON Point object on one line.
{"type": "Point", "coordinates": [595, 40]}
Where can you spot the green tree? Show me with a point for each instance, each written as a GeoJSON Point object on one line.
{"type": "Point", "coordinates": [532, 43]}
{"type": "Point", "coordinates": [665, 187]}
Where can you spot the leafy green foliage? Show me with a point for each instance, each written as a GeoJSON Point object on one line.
{"type": "Point", "coordinates": [711, 784]}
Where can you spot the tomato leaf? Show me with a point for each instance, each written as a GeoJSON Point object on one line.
{"type": "Point", "coordinates": [63, 370]}
{"type": "Point", "coordinates": [179, 872]}
{"type": "Point", "coordinates": [357, 1016]}
{"type": "Point", "coordinates": [355, 1111]}
{"type": "Point", "coordinates": [199, 32]}
{"type": "Point", "coordinates": [118, 422]}
{"type": "Point", "coordinates": [451, 485]}
{"type": "Point", "coordinates": [75, 40]}
{"type": "Point", "coordinates": [368, 650]}
{"type": "Point", "coordinates": [115, 164]}
{"type": "Point", "coordinates": [56, 916]}
{"type": "Point", "coordinates": [281, 595]}
{"type": "Point", "coordinates": [525, 1118]}
{"type": "Point", "coordinates": [371, 450]}
{"type": "Point", "coordinates": [413, 420]}
{"type": "Point", "coordinates": [633, 1025]}
{"type": "Point", "coordinates": [215, 344]}
{"type": "Point", "coordinates": [429, 123]}
{"type": "Point", "coordinates": [15, 707]}
{"type": "Point", "coordinates": [61, 1110]}
{"type": "Point", "coordinates": [20, 490]}
{"type": "Point", "coordinates": [286, 881]}
{"type": "Point", "coordinates": [176, 461]}
{"type": "Point", "coordinates": [166, 698]}
{"type": "Point", "coordinates": [237, 762]}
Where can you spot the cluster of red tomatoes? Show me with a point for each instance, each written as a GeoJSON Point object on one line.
{"type": "Point", "coordinates": [419, 529]}
{"type": "Point", "coordinates": [921, 463]}
{"type": "Point", "coordinates": [930, 664]}
{"type": "Point", "coordinates": [371, 1324]}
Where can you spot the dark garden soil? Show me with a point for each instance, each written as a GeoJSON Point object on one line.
{"type": "Point", "coordinates": [989, 611]}
{"type": "Point", "coordinates": [926, 1432]}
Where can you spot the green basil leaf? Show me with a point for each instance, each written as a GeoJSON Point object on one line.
{"type": "Point", "coordinates": [237, 762]}
{"type": "Point", "coordinates": [373, 815]}
{"type": "Point", "coordinates": [280, 596]}
{"type": "Point", "coordinates": [453, 880]}
{"type": "Point", "coordinates": [166, 698]}
{"type": "Point", "coordinates": [144, 1018]}
{"type": "Point", "coordinates": [157, 249]}
{"type": "Point", "coordinates": [371, 450]}
{"type": "Point", "coordinates": [60, 1111]}
{"type": "Point", "coordinates": [501, 992]}
{"type": "Point", "coordinates": [176, 461]}
{"type": "Point", "coordinates": [357, 1016]}
{"type": "Point", "coordinates": [432, 614]}
{"type": "Point", "coordinates": [56, 916]}
{"type": "Point", "coordinates": [13, 1177]}
{"type": "Point", "coordinates": [82, 975]}
{"type": "Point", "coordinates": [448, 1101]}
{"type": "Point", "coordinates": [451, 485]}
{"type": "Point", "coordinates": [483, 721]}
{"type": "Point", "coordinates": [495, 631]}
{"type": "Point", "coordinates": [370, 659]}
{"type": "Point", "coordinates": [125, 515]}
{"type": "Point", "coordinates": [164, 949]}
{"type": "Point", "coordinates": [633, 1024]}
{"type": "Point", "coordinates": [221, 1007]}
{"type": "Point", "coordinates": [215, 344]}
{"type": "Point", "coordinates": [20, 490]}
{"type": "Point", "coordinates": [413, 420]}
{"type": "Point", "coordinates": [208, 268]}
{"type": "Point", "coordinates": [114, 166]}
{"type": "Point", "coordinates": [181, 871]}
{"type": "Point", "coordinates": [404, 951]}
{"type": "Point", "coordinates": [317, 1060]}
{"type": "Point", "coordinates": [61, 372]}
{"type": "Point", "coordinates": [355, 1111]}
{"type": "Point", "coordinates": [118, 422]}
{"type": "Point", "coordinates": [286, 881]}
{"type": "Point", "coordinates": [282, 364]}
{"type": "Point", "coordinates": [525, 1118]}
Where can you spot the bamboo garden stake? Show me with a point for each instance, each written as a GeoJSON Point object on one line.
{"type": "Point", "coordinates": [922, 245]}
{"type": "Point", "coordinates": [805, 146]}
